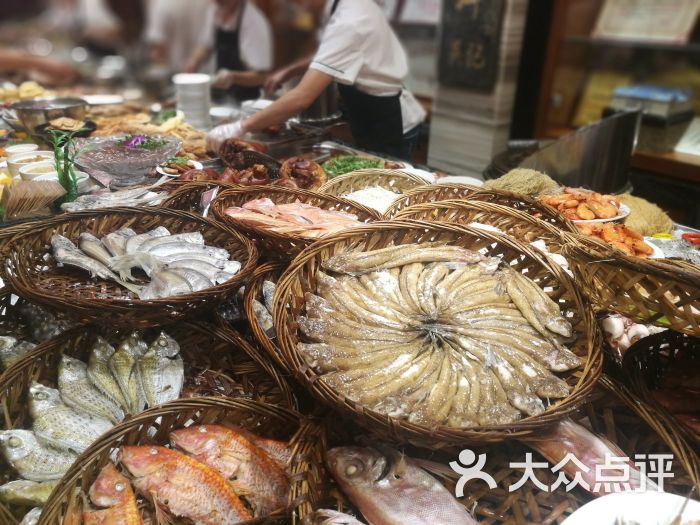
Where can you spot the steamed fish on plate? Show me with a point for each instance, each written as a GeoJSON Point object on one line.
{"type": "Point", "coordinates": [294, 219]}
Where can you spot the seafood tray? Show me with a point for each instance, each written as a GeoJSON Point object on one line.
{"type": "Point", "coordinates": [36, 276]}
{"type": "Point", "coordinates": [301, 278]}
{"type": "Point", "coordinates": [277, 245]}
{"type": "Point", "coordinates": [188, 197]}
{"type": "Point", "coordinates": [153, 429]}
{"type": "Point", "coordinates": [606, 416]}
{"type": "Point", "coordinates": [662, 292]}
{"type": "Point", "coordinates": [231, 368]}
{"type": "Point", "coordinates": [392, 180]}
{"type": "Point", "coordinates": [517, 224]}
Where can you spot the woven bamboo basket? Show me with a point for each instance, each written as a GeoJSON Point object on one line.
{"type": "Point", "coordinates": [519, 225]}
{"type": "Point", "coordinates": [153, 427]}
{"type": "Point", "coordinates": [397, 181]}
{"type": "Point", "coordinates": [74, 293]}
{"type": "Point", "coordinates": [265, 272]}
{"type": "Point", "coordinates": [430, 193]}
{"type": "Point", "coordinates": [229, 368]}
{"type": "Point", "coordinates": [606, 415]}
{"type": "Point", "coordinates": [274, 245]}
{"type": "Point", "coordinates": [300, 278]}
{"type": "Point", "coordinates": [189, 196]}
{"type": "Point", "coordinates": [661, 292]}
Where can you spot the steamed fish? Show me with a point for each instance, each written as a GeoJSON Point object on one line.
{"type": "Point", "coordinates": [32, 460]}
{"type": "Point", "coordinates": [162, 371]}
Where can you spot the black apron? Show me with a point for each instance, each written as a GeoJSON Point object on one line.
{"type": "Point", "coordinates": [376, 122]}
{"type": "Point", "coordinates": [228, 56]}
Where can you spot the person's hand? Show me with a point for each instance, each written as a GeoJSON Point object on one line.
{"type": "Point", "coordinates": [217, 136]}
{"type": "Point", "coordinates": [223, 80]}
{"type": "Point", "coordinates": [275, 80]}
{"type": "Point", "coordinates": [54, 73]}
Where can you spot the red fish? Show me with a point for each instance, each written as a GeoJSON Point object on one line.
{"type": "Point", "coordinates": [113, 491]}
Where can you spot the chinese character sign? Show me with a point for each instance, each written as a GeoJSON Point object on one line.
{"type": "Point", "coordinates": [470, 44]}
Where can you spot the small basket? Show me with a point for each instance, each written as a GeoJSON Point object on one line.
{"type": "Point", "coordinates": [73, 292]}
{"type": "Point", "coordinates": [396, 181]}
{"type": "Point", "coordinates": [517, 224]}
{"type": "Point", "coordinates": [661, 292]}
{"type": "Point", "coordinates": [188, 197]}
{"type": "Point", "coordinates": [300, 278]}
{"type": "Point", "coordinates": [153, 427]}
{"type": "Point", "coordinates": [234, 368]}
{"type": "Point", "coordinates": [273, 245]}
{"type": "Point", "coordinates": [430, 193]}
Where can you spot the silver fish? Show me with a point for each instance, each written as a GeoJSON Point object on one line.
{"type": "Point", "coordinates": [196, 280]}
{"type": "Point", "coordinates": [162, 371]}
{"type": "Point", "coordinates": [66, 253]}
{"type": "Point", "coordinates": [264, 318]}
{"type": "Point", "coordinates": [211, 271]}
{"type": "Point", "coordinates": [58, 425]}
{"type": "Point", "coordinates": [123, 365]}
{"type": "Point", "coordinates": [394, 490]}
{"type": "Point", "coordinates": [92, 247]}
{"type": "Point", "coordinates": [145, 261]}
{"type": "Point", "coordinates": [78, 392]}
{"type": "Point", "coordinates": [32, 460]}
{"type": "Point", "coordinates": [268, 294]}
{"type": "Point", "coordinates": [115, 242]}
{"type": "Point", "coordinates": [329, 517]}
{"type": "Point", "coordinates": [101, 376]}
{"type": "Point", "coordinates": [134, 243]}
{"type": "Point", "coordinates": [171, 248]}
{"type": "Point", "coordinates": [27, 493]}
{"type": "Point", "coordinates": [165, 283]}
{"type": "Point", "coordinates": [195, 238]}
{"type": "Point", "coordinates": [31, 517]}
{"type": "Point", "coordinates": [199, 256]}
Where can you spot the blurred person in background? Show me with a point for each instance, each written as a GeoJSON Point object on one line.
{"type": "Point", "coordinates": [44, 70]}
{"type": "Point", "coordinates": [241, 38]}
{"type": "Point", "coordinates": [174, 28]}
{"type": "Point", "coordinates": [361, 53]}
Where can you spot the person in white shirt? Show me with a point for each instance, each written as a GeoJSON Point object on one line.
{"type": "Point", "coordinates": [241, 36]}
{"type": "Point", "coordinates": [361, 53]}
{"type": "Point", "coordinates": [174, 28]}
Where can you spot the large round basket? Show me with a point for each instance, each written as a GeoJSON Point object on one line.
{"type": "Point", "coordinates": [265, 272]}
{"type": "Point", "coordinates": [153, 428]}
{"type": "Point", "coordinates": [300, 278]}
{"type": "Point", "coordinates": [430, 193]}
{"type": "Point", "coordinates": [273, 245]}
{"type": "Point", "coordinates": [217, 363]}
{"type": "Point", "coordinates": [662, 292]}
{"type": "Point", "coordinates": [395, 181]}
{"type": "Point", "coordinates": [517, 224]}
{"type": "Point", "coordinates": [189, 196]}
{"type": "Point", "coordinates": [37, 277]}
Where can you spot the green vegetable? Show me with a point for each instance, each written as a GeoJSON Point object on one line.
{"type": "Point", "coordinates": [65, 153]}
{"type": "Point", "coordinates": [178, 160]}
{"type": "Point", "coordinates": [346, 164]}
{"type": "Point", "coordinates": [164, 115]}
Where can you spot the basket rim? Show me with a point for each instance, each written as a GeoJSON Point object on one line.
{"type": "Point", "coordinates": [397, 174]}
{"type": "Point", "coordinates": [427, 189]}
{"type": "Point", "coordinates": [220, 203]}
{"type": "Point", "coordinates": [247, 266]}
{"type": "Point", "coordinates": [590, 370]}
{"type": "Point", "coordinates": [188, 187]}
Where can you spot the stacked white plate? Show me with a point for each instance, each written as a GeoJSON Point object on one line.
{"type": "Point", "coordinates": [193, 95]}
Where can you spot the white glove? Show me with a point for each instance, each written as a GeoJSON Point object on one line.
{"type": "Point", "coordinates": [217, 136]}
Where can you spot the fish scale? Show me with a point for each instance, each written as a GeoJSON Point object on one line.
{"type": "Point", "coordinates": [123, 365]}
{"type": "Point", "coordinates": [162, 371]}
{"type": "Point", "coordinates": [101, 376]}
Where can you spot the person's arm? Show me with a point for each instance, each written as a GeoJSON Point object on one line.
{"type": "Point", "coordinates": [291, 103]}
{"type": "Point", "coordinates": [52, 71]}
{"type": "Point", "coordinates": [279, 77]}
{"type": "Point", "coordinates": [226, 78]}
{"type": "Point", "coordinates": [198, 58]}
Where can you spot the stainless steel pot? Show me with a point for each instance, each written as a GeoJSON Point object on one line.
{"type": "Point", "coordinates": [34, 113]}
{"type": "Point", "coordinates": [324, 109]}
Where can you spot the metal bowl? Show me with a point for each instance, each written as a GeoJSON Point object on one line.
{"type": "Point", "coordinates": [34, 113]}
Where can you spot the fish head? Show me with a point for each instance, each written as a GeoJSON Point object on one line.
{"type": "Point", "coordinates": [102, 348]}
{"type": "Point", "coordinates": [59, 241]}
{"type": "Point", "coordinates": [109, 488]}
{"type": "Point", "coordinates": [166, 345]}
{"type": "Point", "coordinates": [144, 460]}
{"type": "Point", "coordinates": [17, 444]}
{"type": "Point", "coordinates": [7, 341]}
{"type": "Point", "coordinates": [42, 398]}
{"type": "Point", "coordinates": [133, 345]}
{"type": "Point", "coordinates": [356, 465]}
{"type": "Point", "coordinates": [199, 440]}
{"type": "Point", "coordinates": [71, 368]}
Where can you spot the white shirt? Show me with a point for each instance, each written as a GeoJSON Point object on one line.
{"type": "Point", "coordinates": [255, 39]}
{"type": "Point", "coordinates": [179, 25]}
{"type": "Point", "coordinates": [358, 47]}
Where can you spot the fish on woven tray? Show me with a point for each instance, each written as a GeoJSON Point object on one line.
{"type": "Point", "coordinates": [175, 264]}
{"type": "Point", "coordinates": [391, 489]}
{"type": "Point", "coordinates": [329, 517]}
{"type": "Point", "coordinates": [32, 460]}
{"type": "Point", "coordinates": [12, 350]}
{"type": "Point", "coordinates": [437, 335]}
{"type": "Point", "coordinates": [112, 493]}
{"type": "Point", "coordinates": [27, 493]}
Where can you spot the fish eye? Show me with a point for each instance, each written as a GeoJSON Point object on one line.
{"type": "Point", "coordinates": [119, 487]}
{"type": "Point", "coordinates": [41, 396]}
{"type": "Point", "coordinates": [351, 470]}
{"type": "Point", "coordinates": [14, 442]}
{"type": "Point", "coordinates": [203, 429]}
{"type": "Point", "coordinates": [162, 342]}
{"type": "Point", "coordinates": [153, 452]}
